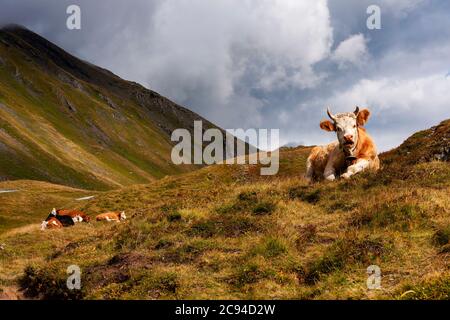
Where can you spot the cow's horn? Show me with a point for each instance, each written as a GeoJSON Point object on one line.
{"type": "Point", "coordinates": [330, 114]}
{"type": "Point", "coordinates": [356, 111]}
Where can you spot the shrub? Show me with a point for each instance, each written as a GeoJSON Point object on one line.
{"type": "Point", "coordinates": [247, 196]}
{"type": "Point", "coordinates": [437, 289]}
{"type": "Point", "coordinates": [203, 229]}
{"type": "Point", "coordinates": [42, 283]}
{"type": "Point", "coordinates": [304, 194]}
{"type": "Point", "coordinates": [174, 216]}
{"type": "Point", "coordinates": [263, 208]}
{"type": "Point", "coordinates": [231, 226]}
{"type": "Point", "coordinates": [341, 253]}
{"type": "Point", "coordinates": [163, 243]}
{"type": "Point", "coordinates": [441, 236]}
{"type": "Point", "coordinates": [342, 205]}
{"type": "Point", "coordinates": [243, 203]}
{"type": "Point", "coordinates": [167, 282]}
{"type": "Point", "coordinates": [270, 248]}
{"type": "Point", "coordinates": [307, 234]}
{"type": "Point", "coordinates": [399, 216]}
{"type": "Point", "coordinates": [247, 274]}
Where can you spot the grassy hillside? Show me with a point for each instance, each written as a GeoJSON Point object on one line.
{"type": "Point", "coordinates": [226, 232]}
{"type": "Point", "coordinates": [66, 121]}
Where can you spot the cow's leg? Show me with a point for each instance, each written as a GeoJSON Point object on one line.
{"type": "Point", "coordinates": [359, 166]}
{"type": "Point", "coordinates": [309, 171]}
{"type": "Point", "coordinates": [329, 173]}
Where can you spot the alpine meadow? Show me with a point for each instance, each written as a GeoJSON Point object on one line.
{"type": "Point", "coordinates": [88, 180]}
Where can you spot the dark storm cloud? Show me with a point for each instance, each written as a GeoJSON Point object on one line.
{"type": "Point", "coordinates": [273, 64]}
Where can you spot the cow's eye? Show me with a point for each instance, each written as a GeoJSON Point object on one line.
{"type": "Point", "coordinates": [354, 126]}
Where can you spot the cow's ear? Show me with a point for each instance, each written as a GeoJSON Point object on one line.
{"type": "Point", "coordinates": [363, 116]}
{"type": "Point", "coordinates": [327, 125]}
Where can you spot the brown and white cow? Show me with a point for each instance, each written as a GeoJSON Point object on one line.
{"type": "Point", "coordinates": [353, 152]}
{"type": "Point", "coordinates": [111, 216]}
{"type": "Point", "coordinates": [76, 215]}
{"type": "Point", "coordinates": [51, 223]}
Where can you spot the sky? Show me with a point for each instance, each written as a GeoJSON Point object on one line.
{"type": "Point", "coordinates": [274, 64]}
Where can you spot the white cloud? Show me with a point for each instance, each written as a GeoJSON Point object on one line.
{"type": "Point", "coordinates": [352, 50]}
{"type": "Point", "coordinates": [268, 63]}
{"type": "Point", "coordinates": [210, 55]}
{"type": "Point", "coordinates": [400, 8]}
{"type": "Point", "coordinates": [400, 106]}
{"type": "Point", "coordinates": [405, 95]}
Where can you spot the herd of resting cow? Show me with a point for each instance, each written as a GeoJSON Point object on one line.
{"type": "Point", "coordinates": [353, 152]}
{"type": "Point", "coordinates": [66, 218]}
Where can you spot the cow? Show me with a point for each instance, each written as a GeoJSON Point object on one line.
{"type": "Point", "coordinates": [66, 221]}
{"type": "Point", "coordinates": [77, 216]}
{"type": "Point", "coordinates": [353, 152]}
{"type": "Point", "coordinates": [111, 216]}
{"type": "Point", "coordinates": [51, 223]}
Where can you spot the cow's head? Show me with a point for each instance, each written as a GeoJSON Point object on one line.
{"type": "Point", "coordinates": [44, 225]}
{"type": "Point", "coordinates": [346, 126]}
{"type": "Point", "coordinates": [122, 215]}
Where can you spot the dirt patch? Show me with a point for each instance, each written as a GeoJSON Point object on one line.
{"type": "Point", "coordinates": [117, 269]}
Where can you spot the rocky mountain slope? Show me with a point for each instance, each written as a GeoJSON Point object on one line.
{"type": "Point", "coordinates": [66, 121]}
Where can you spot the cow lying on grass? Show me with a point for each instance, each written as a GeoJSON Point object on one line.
{"type": "Point", "coordinates": [66, 218]}
{"type": "Point", "coordinates": [111, 216]}
{"type": "Point", "coordinates": [51, 223]}
{"type": "Point", "coordinates": [63, 218]}
{"type": "Point", "coordinates": [353, 152]}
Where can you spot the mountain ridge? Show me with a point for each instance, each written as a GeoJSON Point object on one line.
{"type": "Point", "coordinates": [85, 126]}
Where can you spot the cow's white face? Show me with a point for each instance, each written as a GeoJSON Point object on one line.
{"type": "Point", "coordinates": [122, 215]}
{"type": "Point", "coordinates": [346, 127]}
{"type": "Point", "coordinates": [53, 212]}
{"type": "Point", "coordinates": [346, 130]}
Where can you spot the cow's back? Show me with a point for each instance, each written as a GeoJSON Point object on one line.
{"type": "Point", "coordinates": [73, 214]}
{"type": "Point", "coordinates": [108, 215]}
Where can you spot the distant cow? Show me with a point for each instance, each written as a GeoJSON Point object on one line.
{"type": "Point", "coordinates": [51, 223]}
{"type": "Point", "coordinates": [66, 221]}
{"type": "Point", "coordinates": [112, 216]}
{"type": "Point", "coordinates": [353, 152]}
{"type": "Point", "coordinates": [77, 216]}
